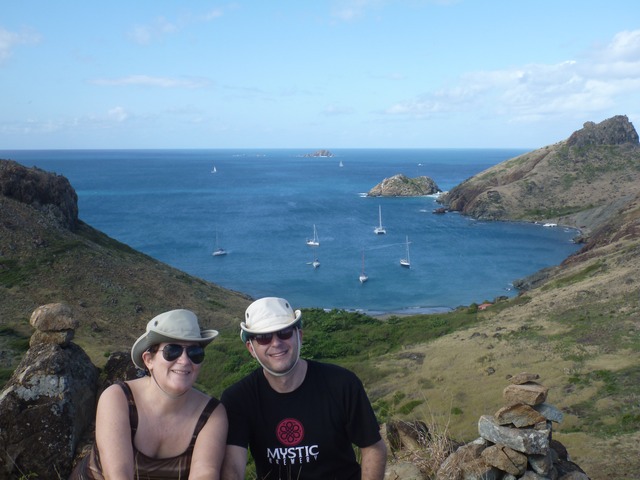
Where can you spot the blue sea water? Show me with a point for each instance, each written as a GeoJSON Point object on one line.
{"type": "Point", "coordinates": [261, 205]}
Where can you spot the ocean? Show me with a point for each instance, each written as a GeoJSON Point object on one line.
{"type": "Point", "coordinates": [261, 207]}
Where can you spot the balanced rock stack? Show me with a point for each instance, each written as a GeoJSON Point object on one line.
{"type": "Point", "coordinates": [516, 441]}
{"type": "Point", "coordinates": [54, 323]}
{"type": "Point", "coordinates": [48, 404]}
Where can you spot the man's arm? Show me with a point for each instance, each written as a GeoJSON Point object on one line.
{"type": "Point", "coordinates": [374, 461]}
{"type": "Point", "coordinates": [235, 463]}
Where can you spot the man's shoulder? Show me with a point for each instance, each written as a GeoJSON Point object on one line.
{"type": "Point", "coordinates": [331, 370]}
{"type": "Point", "coordinates": [240, 387]}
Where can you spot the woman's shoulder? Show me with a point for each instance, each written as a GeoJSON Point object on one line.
{"type": "Point", "coordinates": [203, 400]}
{"type": "Point", "coordinates": [116, 390]}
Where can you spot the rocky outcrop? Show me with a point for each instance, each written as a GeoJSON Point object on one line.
{"type": "Point", "coordinates": [48, 405]}
{"type": "Point", "coordinates": [515, 442]}
{"type": "Point", "coordinates": [48, 192]}
{"type": "Point", "coordinates": [613, 131]}
{"type": "Point", "coordinates": [577, 182]}
{"type": "Point", "coordinates": [401, 186]}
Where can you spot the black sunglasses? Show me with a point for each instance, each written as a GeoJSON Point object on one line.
{"type": "Point", "coordinates": [265, 338]}
{"type": "Point", "coordinates": [173, 351]}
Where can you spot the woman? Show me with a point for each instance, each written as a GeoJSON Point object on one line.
{"type": "Point", "coordinates": [159, 426]}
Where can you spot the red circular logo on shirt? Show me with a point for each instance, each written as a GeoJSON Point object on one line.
{"type": "Point", "coordinates": [290, 432]}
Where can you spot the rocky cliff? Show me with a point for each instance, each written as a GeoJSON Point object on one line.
{"type": "Point", "coordinates": [48, 255]}
{"type": "Point", "coordinates": [580, 182]}
{"type": "Point", "coordinates": [49, 193]}
{"type": "Point", "coordinates": [401, 186]}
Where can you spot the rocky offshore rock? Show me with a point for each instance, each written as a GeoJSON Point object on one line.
{"type": "Point", "coordinates": [48, 192]}
{"type": "Point", "coordinates": [319, 153]}
{"type": "Point", "coordinates": [401, 186]}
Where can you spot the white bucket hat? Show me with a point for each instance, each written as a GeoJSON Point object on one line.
{"type": "Point", "coordinates": [268, 315]}
{"type": "Point", "coordinates": [180, 325]}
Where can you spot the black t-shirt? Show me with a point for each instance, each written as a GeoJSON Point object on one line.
{"type": "Point", "coordinates": [305, 434]}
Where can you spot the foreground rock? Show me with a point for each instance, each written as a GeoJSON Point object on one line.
{"type": "Point", "coordinates": [401, 186]}
{"type": "Point", "coordinates": [49, 403]}
{"type": "Point", "coordinates": [515, 442]}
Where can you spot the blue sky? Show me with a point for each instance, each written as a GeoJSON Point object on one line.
{"type": "Point", "coordinates": [313, 73]}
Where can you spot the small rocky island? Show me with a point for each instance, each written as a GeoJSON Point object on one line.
{"type": "Point", "coordinates": [402, 186]}
{"type": "Point", "coordinates": [319, 153]}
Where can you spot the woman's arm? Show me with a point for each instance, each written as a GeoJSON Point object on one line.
{"type": "Point", "coordinates": [374, 461]}
{"type": "Point", "coordinates": [113, 435]}
{"type": "Point", "coordinates": [208, 451]}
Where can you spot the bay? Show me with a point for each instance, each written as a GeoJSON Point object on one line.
{"type": "Point", "coordinates": [262, 206]}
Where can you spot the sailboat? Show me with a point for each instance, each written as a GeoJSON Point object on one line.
{"type": "Point", "coordinates": [314, 242]}
{"type": "Point", "coordinates": [315, 263]}
{"type": "Point", "coordinates": [341, 164]}
{"type": "Point", "coordinates": [406, 262]}
{"type": "Point", "coordinates": [214, 169]}
{"type": "Point", "coordinates": [219, 251]}
{"type": "Point", "coordinates": [363, 276]}
{"type": "Point", "coordinates": [379, 230]}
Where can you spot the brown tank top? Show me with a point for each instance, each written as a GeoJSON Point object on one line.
{"type": "Point", "coordinates": [145, 468]}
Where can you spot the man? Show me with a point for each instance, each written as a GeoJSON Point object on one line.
{"type": "Point", "coordinates": [299, 417]}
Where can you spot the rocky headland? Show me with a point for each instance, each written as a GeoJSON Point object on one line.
{"type": "Point", "coordinates": [400, 185]}
{"type": "Point", "coordinates": [579, 182]}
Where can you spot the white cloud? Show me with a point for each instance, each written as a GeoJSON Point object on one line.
{"type": "Point", "coordinates": [625, 46]}
{"type": "Point", "coordinates": [347, 10]}
{"type": "Point", "coordinates": [160, 27]}
{"type": "Point", "coordinates": [146, 34]}
{"type": "Point", "coordinates": [118, 114]}
{"type": "Point", "coordinates": [149, 81]}
{"type": "Point", "coordinates": [595, 83]}
{"type": "Point", "coordinates": [336, 110]}
{"type": "Point", "coordinates": [212, 15]}
{"type": "Point", "coordinates": [9, 40]}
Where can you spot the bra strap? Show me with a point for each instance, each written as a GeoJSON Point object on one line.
{"type": "Point", "coordinates": [204, 416]}
{"type": "Point", "coordinates": [133, 411]}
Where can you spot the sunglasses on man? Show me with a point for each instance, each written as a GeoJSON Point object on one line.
{"type": "Point", "coordinates": [266, 338]}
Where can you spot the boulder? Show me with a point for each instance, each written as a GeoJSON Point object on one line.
{"type": "Point", "coordinates": [48, 404]}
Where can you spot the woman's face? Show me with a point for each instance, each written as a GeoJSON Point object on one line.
{"type": "Point", "coordinates": [175, 365]}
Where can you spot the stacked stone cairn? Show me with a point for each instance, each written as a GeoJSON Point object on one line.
{"type": "Point", "coordinates": [516, 442]}
{"type": "Point", "coordinates": [48, 404]}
